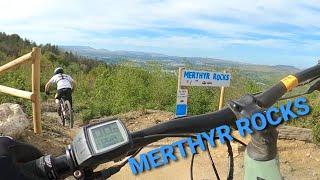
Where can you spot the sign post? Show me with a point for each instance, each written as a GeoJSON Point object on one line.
{"type": "Point", "coordinates": [182, 97]}
{"type": "Point", "coordinates": [221, 96]}
{"type": "Point", "coordinates": [198, 78]}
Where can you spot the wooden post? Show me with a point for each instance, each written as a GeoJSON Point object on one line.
{"type": "Point", "coordinates": [179, 77]}
{"type": "Point", "coordinates": [36, 90]}
{"type": "Point", "coordinates": [221, 96]}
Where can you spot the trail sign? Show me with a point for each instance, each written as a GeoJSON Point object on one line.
{"type": "Point", "coordinates": [198, 78]}
{"type": "Point", "coordinates": [182, 101]}
{"type": "Point", "coordinates": [204, 78]}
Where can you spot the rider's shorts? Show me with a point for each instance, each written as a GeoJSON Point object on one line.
{"type": "Point", "coordinates": [66, 93]}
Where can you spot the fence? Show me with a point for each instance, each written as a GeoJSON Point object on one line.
{"type": "Point", "coordinates": [34, 96]}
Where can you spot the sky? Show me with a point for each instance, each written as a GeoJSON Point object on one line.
{"type": "Point", "coordinates": [269, 32]}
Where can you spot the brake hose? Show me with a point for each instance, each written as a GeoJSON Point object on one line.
{"type": "Point", "coordinates": [106, 173]}
{"type": "Point", "coordinates": [211, 159]}
{"type": "Point", "coordinates": [230, 152]}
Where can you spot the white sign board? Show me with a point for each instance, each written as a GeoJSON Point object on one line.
{"type": "Point", "coordinates": [182, 100]}
{"type": "Point", "coordinates": [182, 96]}
{"type": "Point", "coordinates": [204, 78]}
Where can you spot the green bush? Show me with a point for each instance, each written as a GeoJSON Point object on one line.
{"type": "Point", "coordinates": [86, 115]}
{"type": "Point", "coordinates": [316, 134]}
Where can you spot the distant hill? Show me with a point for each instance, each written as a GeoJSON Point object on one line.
{"type": "Point", "coordinates": [170, 61]}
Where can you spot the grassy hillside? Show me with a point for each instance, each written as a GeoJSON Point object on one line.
{"type": "Point", "coordinates": [105, 89]}
{"type": "Point", "coordinates": [110, 89]}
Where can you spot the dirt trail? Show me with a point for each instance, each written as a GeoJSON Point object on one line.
{"type": "Point", "coordinates": [298, 159]}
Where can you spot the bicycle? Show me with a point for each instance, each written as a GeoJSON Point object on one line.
{"type": "Point", "coordinates": [66, 112]}
{"type": "Point", "coordinates": [109, 141]}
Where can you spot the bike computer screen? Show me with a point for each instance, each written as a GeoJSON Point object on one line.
{"type": "Point", "coordinates": [101, 142]}
{"type": "Point", "coordinates": [107, 136]}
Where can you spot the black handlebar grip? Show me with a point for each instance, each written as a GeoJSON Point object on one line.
{"type": "Point", "coordinates": [271, 96]}
{"type": "Point", "coordinates": [46, 168]}
{"type": "Point", "coordinates": [62, 166]}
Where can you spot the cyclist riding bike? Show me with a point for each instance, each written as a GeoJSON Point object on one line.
{"type": "Point", "coordinates": [65, 86]}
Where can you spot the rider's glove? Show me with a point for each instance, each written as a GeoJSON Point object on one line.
{"type": "Point", "coordinates": [12, 155]}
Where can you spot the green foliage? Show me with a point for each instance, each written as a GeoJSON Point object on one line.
{"type": "Point", "coordinates": [111, 89]}
{"type": "Point", "coordinates": [316, 133]}
{"type": "Point", "coordinates": [86, 115]}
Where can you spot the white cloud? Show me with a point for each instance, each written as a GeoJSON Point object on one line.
{"type": "Point", "coordinates": [224, 23]}
{"type": "Point", "coordinates": [16, 10]}
{"type": "Point", "coordinates": [133, 14]}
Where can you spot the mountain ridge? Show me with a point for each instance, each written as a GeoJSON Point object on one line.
{"type": "Point", "coordinates": [174, 61]}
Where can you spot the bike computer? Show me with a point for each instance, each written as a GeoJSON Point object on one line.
{"type": "Point", "coordinates": [100, 142]}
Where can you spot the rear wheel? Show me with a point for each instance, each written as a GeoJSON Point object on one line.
{"type": "Point", "coordinates": [68, 113]}
{"type": "Point", "coordinates": [62, 113]}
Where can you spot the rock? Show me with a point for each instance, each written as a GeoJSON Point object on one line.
{"type": "Point", "coordinates": [290, 169]}
{"type": "Point", "coordinates": [13, 121]}
{"type": "Point", "coordinates": [48, 106]}
{"type": "Point", "coordinates": [314, 174]}
{"type": "Point", "coordinates": [157, 121]}
{"type": "Point", "coordinates": [65, 141]}
{"type": "Point", "coordinates": [308, 154]}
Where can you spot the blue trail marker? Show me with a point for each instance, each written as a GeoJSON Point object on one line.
{"type": "Point", "coordinates": [182, 102]}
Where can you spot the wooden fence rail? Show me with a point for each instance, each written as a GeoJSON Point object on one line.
{"type": "Point", "coordinates": [34, 96]}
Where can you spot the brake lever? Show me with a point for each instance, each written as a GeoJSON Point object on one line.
{"type": "Point", "coordinates": [106, 173]}
{"type": "Point", "coordinates": [89, 174]}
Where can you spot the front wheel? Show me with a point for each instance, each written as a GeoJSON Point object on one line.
{"type": "Point", "coordinates": [69, 113]}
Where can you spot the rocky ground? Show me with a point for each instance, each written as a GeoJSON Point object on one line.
{"type": "Point", "coordinates": [299, 160]}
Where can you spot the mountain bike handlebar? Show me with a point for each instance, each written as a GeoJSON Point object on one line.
{"type": "Point", "coordinates": [194, 124]}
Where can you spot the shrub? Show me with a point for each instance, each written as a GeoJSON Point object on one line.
{"type": "Point", "coordinates": [86, 115]}
{"type": "Point", "coordinates": [316, 134]}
